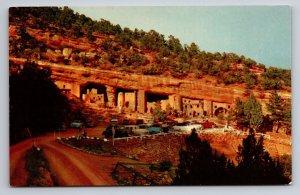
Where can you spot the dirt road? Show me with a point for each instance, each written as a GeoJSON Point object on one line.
{"type": "Point", "coordinates": [70, 167]}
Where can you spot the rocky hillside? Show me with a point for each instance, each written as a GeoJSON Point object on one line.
{"type": "Point", "coordinates": [61, 36]}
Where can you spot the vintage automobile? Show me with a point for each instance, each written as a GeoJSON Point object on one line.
{"type": "Point", "coordinates": [120, 131]}
{"type": "Point", "coordinates": [76, 124]}
{"type": "Point", "coordinates": [208, 124]}
{"type": "Point", "coordinates": [126, 122]}
{"type": "Point", "coordinates": [187, 127]}
{"type": "Point", "coordinates": [150, 123]}
{"type": "Point", "coordinates": [114, 121]}
{"type": "Point", "coordinates": [155, 128]}
{"type": "Point", "coordinates": [141, 130]}
{"type": "Point", "coordinates": [139, 122]}
{"type": "Point", "coordinates": [167, 125]}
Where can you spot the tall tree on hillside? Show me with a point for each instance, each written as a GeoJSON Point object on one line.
{"type": "Point", "coordinates": [35, 102]}
{"type": "Point", "coordinates": [248, 113]}
{"type": "Point", "coordinates": [193, 49]}
{"type": "Point", "coordinates": [255, 165]}
{"type": "Point", "coordinates": [174, 44]}
{"type": "Point", "coordinates": [253, 111]}
{"type": "Point", "coordinates": [239, 114]}
{"type": "Point", "coordinates": [200, 165]}
{"type": "Point", "coordinates": [250, 79]}
{"type": "Point", "coordinates": [276, 107]}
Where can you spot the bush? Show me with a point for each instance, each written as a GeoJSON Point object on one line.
{"type": "Point", "coordinates": [152, 70]}
{"type": "Point", "coordinates": [271, 84]}
{"type": "Point", "coordinates": [286, 161]}
{"type": "Point", "coordinates": [250, 80]}
{"type": "Point", "coordinates": [38, 169]}
{"type": "Point", "coordinates": [165, 165]}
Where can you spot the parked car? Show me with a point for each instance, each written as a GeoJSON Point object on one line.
{"type": "Point", "coordinates": [125, 122]}
{"type": "Point", "coordinates": [114, 121]}
{"type": "Point", "coordinates": [129, 128]}
{"type": "Point", "coordinates": [141, 130]}
{"type": "Point", "coordinates": [167, 125]}
{"type": "Point", "coordinates": [208, 124]}
{"type": "Point", "coordinates": [155, 128]}
{"type": "Point", "coordinates": [76, 124]}
{"type": "Point", "coordinates": [150, 123]}
{"type": "Point", "coordinates": [139, 121]}
{"type": "Point", "coordinates": [187, 127]}
{"type": "Point", "coordinates": [119, 132]}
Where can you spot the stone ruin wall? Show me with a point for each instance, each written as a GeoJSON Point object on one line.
{"type": "Point", "coordinates": [72, 78]}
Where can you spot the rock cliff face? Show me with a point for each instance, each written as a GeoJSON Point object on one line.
{"type": "Point", "coordinates": [78, 77]}
{"type": "Point", "coordinates": [154, 84]}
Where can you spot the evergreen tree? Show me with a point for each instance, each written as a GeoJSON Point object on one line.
{"type": "Point", "coordinates": [193, 49]}
{"type": "Point", "coordinates": [200, 165]}
{"type": "Point", "coordinates": [174, 44]}
{"type": "Point", "coordinates": [35, 102]}
{"type": "Point", "coordinates": [250, 80]}
{"type": "Point", "coordinates": [238, 113]}
{"type": "Point", "coordinates": [255, 166]}
{"type": "Point", "coordinates": [288, 117]}
{"type": "Point", "coordinates": [248, 113]}
{"type": "Point", "coordinates": [276, 107]}
{"type": "Point", "coordinates": [253, 111]}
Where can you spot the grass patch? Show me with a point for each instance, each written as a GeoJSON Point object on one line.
{"type": "Point", "coordinates": [38, 169]}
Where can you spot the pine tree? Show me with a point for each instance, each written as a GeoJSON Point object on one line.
{"type": "Point", "coordinates": [255, 165]}
{"type": "Point", "coordinates": [277, 109]}
{"type": "Point", "coordinates": [200, 165]}
{"type": "Point", "coordinates": [238, 113]}
{"type": "Point", "coordinates": [253, 111]}
{"type": "Point", "coordinates": [35, 102]}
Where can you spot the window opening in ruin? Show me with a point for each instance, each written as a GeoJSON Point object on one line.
{"type": "Point", "coordinates": [220, 110]}
{"type": "Point", "coordinates": [101, 89]}
{"type": "Point", "coordinates": [127, 99]}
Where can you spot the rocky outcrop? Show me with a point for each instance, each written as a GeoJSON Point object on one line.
{"type": "Point", "coordinates": [189, 88]}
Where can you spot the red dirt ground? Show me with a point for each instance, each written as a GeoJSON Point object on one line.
{"type": "Point", "coordinates": [70, 167]}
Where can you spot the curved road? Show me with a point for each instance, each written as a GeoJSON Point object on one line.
{"type": "Point", "coordinates": [69, 166]}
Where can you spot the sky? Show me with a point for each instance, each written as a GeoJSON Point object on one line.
{"type": "Point", "coordinates": [262, 33]}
